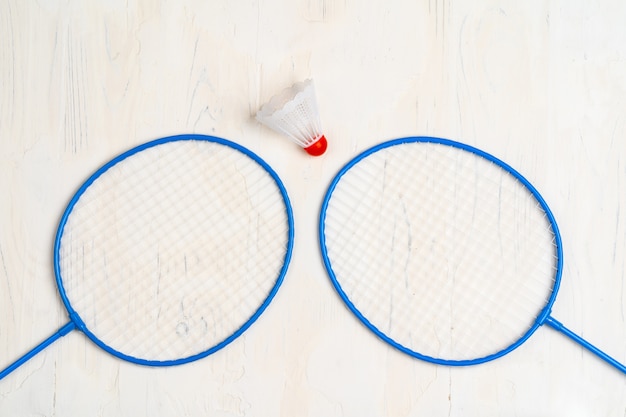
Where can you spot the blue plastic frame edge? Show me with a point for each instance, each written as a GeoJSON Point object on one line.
{"type": "Point", "coordinates": [74, 316]}
{"type": "Point", "coordinates": [544, 313]}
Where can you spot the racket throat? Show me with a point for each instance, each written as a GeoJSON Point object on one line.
{"type": "Point", "coordinates": [75, 323]}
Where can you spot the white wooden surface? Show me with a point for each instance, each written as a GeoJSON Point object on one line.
{"type": "Point", "coordinates": [539, 84]}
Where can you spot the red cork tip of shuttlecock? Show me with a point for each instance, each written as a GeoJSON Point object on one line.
{"type": "Point", "coordinates": [317, 148]}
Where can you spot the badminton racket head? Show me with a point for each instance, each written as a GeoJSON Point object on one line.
{"type": "Point", "coordinates": [442, 250]}
{"type": "Point", "coordinates": [173, 249]}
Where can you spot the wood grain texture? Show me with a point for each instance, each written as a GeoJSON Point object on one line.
{"type": "Point", "coordinates": [541, 85]}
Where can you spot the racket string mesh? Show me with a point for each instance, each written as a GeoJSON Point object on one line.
{"type": "Point", "coordinates": [170, 251]}
{"type": "Point", "coordinates": [439, 249]}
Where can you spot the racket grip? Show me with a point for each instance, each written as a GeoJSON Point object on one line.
{"type": "Point", "coordinates": [557, 325]}
{"type": "Point", "coordinates": [58, 334]}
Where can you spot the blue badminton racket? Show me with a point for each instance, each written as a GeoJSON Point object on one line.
{"type": "Point", "coordinates": [171, 250]}
{"type": "Point", "coordinates": [443, 251]}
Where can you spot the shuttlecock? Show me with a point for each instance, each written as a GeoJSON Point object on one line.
{"type": "Point", "coordinates": [294, 113]}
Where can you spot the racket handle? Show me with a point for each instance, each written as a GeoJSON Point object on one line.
{"type": "Point", "coordinates": [58, 334]}
{"type": "Point", "coordinates": [555, 324]}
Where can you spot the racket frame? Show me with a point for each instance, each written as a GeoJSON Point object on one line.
{"type": "Point", "coordinates": [75, 317]}
{"type": "Point", "coordinates": [542, 315]}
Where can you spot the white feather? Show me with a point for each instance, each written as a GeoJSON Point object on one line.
{"type": "Point", "coordinates": [294, 113]}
